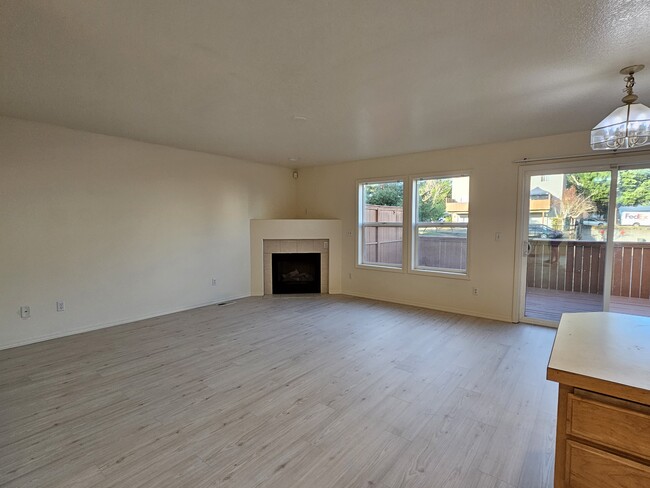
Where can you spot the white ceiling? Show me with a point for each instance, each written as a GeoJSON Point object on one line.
{"type": "Point", "coordinates": [373, 77]}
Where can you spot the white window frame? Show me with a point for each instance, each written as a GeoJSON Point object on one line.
{"type": "Point", "coordinates": [415, 226]}
{"type": "Point", "coordinates": [362, 225]}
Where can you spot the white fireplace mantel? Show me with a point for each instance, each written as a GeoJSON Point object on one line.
{"type": "Point", "coordinates": [295, 229]}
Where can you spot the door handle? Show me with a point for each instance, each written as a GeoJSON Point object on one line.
{"type": "Point", "coordinates": [527, 248]}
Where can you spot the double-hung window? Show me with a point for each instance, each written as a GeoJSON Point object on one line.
{"type": "Point", "coordinates": [440, 224]}
{"type": "Point", "coordinates": [381, 219]}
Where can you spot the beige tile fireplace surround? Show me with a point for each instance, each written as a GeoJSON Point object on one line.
{"type": "Point", "coordinates": [274, 246]}
{"type": "Point", "coordinates": [295, 236]}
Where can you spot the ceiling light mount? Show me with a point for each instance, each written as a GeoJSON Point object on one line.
{"type": "Point", "coordinates": [628, 126]}
{"type": "Point", "coordinates": [631, 97]}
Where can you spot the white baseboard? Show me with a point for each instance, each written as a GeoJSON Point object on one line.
{"type": "Point", "coordinates": [122, 321]}
{"type": "Point", "coordinates": [416, 303]}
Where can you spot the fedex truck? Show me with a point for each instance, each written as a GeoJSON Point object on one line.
{"type": "Point", "coordinates": [635, 215]}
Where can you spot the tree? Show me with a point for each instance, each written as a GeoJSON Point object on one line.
{"type": "Point", "coordinates": [633, 187]}
{"type": "Point", "coordinates": [389, 194]}
{"type": "Point", "coordinates": [594, 186]}
{"type": "Point", "coordinates": [432, 195]}
{"type": "Point", "coordinates": [574, 205]}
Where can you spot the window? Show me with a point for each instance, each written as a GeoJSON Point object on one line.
{"type": "Point", "coordinates": [381, 216]}
{"type": "Point", "coordinates": [441, 219]}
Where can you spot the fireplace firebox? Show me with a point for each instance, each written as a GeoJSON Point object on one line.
{"type": "Point", "coordinates": [296, 272]}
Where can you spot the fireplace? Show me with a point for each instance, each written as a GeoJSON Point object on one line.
{"type": "Point", "coordinates": [285, 236]}
{"type": "Point", "coordinates": [296, 272]}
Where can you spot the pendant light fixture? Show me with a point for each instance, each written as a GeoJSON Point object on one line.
{"type": "Point", "coordinates": [628, 126]}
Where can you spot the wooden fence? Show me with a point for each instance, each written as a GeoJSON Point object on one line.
{"type": "Point", "coordinates": [437, 252]}
{"type": "Point", "coordinates": [566, 265]}
{"type": "Point", "coordinates": [580, 266]}
{"type": "Point", "coordinates": [442, 252]}
{"type": "Point", "coordinates": [384, 244]}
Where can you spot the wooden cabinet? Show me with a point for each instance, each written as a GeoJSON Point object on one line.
{"type": "Point", "coordinates": [602, 362]}
{"type": "Point", "coordinates": [590, 467]}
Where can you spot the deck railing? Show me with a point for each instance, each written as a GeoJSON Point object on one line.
{"type": "Point", "coordinates": [580, 265]}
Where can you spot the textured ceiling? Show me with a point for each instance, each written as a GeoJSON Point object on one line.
{"type": "Point", "coordinates": [373, 77]}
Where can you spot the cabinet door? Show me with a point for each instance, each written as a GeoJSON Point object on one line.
{"type": "Point", "coordinates": [588, 467]}
{"type": "Point", "coordinates": [602, 422]}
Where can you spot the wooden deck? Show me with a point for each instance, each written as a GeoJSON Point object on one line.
{"type": "Point", "coordinates": [550, 304]}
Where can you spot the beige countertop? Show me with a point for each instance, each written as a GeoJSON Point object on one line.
{"type": "Point", "coordinates": [604, 352]}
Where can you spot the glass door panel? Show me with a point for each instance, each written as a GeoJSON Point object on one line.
{"type": "Point", "coordinates": [631, 263]}
{"type": "Point", "coordinates": [566, 244]}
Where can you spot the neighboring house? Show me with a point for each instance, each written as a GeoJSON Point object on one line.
{"type": "Point", "coordinates": [553, 184]}
{"type": "Point", "coordinates": [458, 205]}
{"type": "Point", "coordinates": [543, 206]}
{"type": "Point", "coordinates": [545, 197]}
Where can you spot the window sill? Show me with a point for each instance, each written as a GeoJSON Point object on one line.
{"type": "Point", "coordinates": [379, 267]}
{"type": "Point", "coordinates": [439, 274]}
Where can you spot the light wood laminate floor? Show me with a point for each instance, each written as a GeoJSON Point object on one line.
{"type": "Point", "coordinates": [318, 391]}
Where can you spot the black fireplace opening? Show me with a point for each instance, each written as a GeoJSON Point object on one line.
{"type": "Point", "coordinates": [296, 272]}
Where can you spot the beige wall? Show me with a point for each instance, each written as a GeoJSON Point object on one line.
{"type": "Point", "coordinates": [330, 192]}
{"type": "Point", "coordinates": [120, 229]}
{"type": "Point", "coordinates": [123, 230]}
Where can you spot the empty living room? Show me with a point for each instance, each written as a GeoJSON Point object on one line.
{"type": "Point", "coordinates": [324, 244]}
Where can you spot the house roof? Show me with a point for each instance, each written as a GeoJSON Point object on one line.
{"type": "Point", "coordinates": [537, 191]}
{"type": "Point", "coordinates": [320, 82]}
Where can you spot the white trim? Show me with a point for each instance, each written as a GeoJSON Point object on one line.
{"type": "Point", "coordinates": [609, 243]}
{"type": "Point", "coordinates": [521, 228]}
{"type": "Point", "coordinates": [360, 224]}
{"type": "Point", "coordinates": [442, 174]}
{"type": "Point", "coordinates": [382, 267]}
{"type": "Point", "coordinates": [440, 273]}
{"type": "Point", "coordinates": [564, 165]}
{"type": "Point", "coordinates": [382, 224]}
{"type": "Point", "coordinates": [123, 321]}
{"type": "Point", "coordinates": [382, 179]}
{"type": "Point", "coordinates": [540, 322]}
{"type": "Point", "coordinates": [414, 225]}
{"type": "Point", "coordinates": [417, 303]}
{"type": "Point", "coordinates": [523, 203]}
{"type": "Point", "coordinates": [615, 153]}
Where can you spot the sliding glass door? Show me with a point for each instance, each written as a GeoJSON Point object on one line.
{"type": "Point", "coordinates": [631, 249]}
{"type": "Point", "coordinates": [566, 243]}
{"type": "Point", "coordinates": [586, 242]}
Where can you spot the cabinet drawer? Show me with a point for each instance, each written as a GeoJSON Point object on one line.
{"type": "Point", "coordinates": [612, 425]}
{"type": "Point", "coordinates": [588, 467]}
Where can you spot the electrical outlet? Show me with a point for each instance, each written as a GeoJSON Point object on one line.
{"type": "Point", "coordinates": [60, 306]}
{"type": "Point", "coordinates": [25, 312]}
{"type": "Point", "coordinates": [475, 291]}
{"type": "Point", "coordinates": [326, 244]}
{"type": "Point", "coordinates": [214, 282]}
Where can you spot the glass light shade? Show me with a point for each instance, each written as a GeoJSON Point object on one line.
{"type": "Point", "coordinates": [626, 127]}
